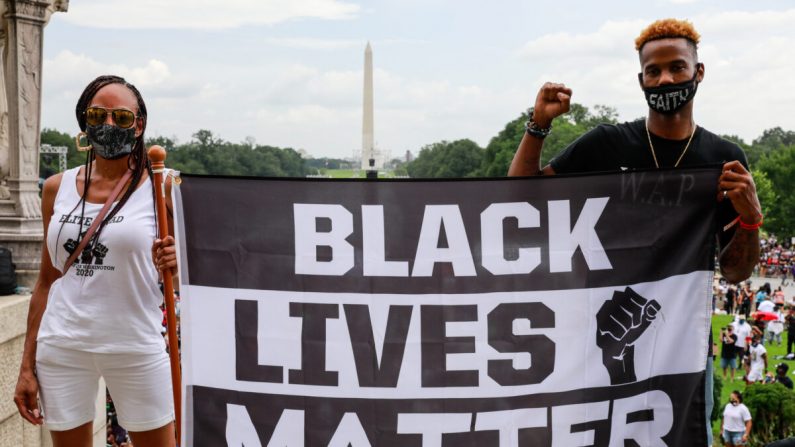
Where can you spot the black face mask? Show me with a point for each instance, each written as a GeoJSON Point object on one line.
{"type": "Point", "coordinates": [111, 142]}
{"type": "Point", "coordinates": [668, 99]}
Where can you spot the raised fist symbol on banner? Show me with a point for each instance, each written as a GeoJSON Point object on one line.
{"type": "Point", "coordinates": [619, 324]}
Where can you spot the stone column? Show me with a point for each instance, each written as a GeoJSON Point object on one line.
{"type": "Point", "coordinates": [20, 213]}
{"type": "Point", "coordinates": [23, 90]}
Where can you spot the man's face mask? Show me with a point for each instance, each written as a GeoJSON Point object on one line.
{"type": "Point", "coordinates": [111, 142]}
{"type": "Point", "coordinates": [668, 99]}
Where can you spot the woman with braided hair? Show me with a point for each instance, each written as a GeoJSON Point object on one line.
{"type": "Point", "coordinates": [94, 310]}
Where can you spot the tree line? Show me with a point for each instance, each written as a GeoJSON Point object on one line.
{"type": "Point", "coordinates": [771, 157]}
{"type": "Point", "coordinates": [205, 153]}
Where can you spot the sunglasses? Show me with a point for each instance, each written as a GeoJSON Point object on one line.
{"type": "Point", "coordinates": [123, 118]}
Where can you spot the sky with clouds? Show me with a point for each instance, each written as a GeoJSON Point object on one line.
{"type": "Point", "coordinates": [289, 73]}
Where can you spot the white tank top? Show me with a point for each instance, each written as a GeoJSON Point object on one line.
{"type": "Point", "coordinates": [109, 299]}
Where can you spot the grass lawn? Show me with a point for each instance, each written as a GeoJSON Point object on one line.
{"type": "Point", "coordinates": [774, 351]}
{"type": "Point", "coordinates": [342, 173]}
{"type": "Point", "coordinates": [351, 173]}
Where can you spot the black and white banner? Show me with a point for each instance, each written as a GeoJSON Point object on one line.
{"type": "Point", "coordinates": [562, 311]}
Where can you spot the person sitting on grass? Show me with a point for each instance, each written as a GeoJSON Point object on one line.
{"type": "Point", "coordinates": [781, 375]}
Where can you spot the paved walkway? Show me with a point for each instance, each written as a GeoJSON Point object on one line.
{"type": "Point", "coordinates": [789, 289]}
{"type": "Point", "coordinates": [758, 281]}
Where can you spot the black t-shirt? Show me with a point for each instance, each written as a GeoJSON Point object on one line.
{"type": "Point", "coordinates": [784, 380]}
{"type": "Point", "coordinates": [625, 146]}
{"type": "Point", "coordinates": [728, 350]}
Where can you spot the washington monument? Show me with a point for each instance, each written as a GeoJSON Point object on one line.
{"type": "Point", "coordinates": [368, 137]}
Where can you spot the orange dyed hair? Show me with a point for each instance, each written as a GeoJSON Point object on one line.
{"type": "Point", "coordinates": [666, 28]}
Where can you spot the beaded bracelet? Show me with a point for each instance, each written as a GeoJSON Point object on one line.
{"type": "Point", "coordinates": [533, 129]}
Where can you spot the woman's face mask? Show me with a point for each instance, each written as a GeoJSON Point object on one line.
{"type": "Point", "coordinates": [111, 142]}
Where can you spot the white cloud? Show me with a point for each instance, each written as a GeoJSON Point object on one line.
{"type": "Point", "coordinates": [65, 76]}
{"type": "Point", "coordinates": [313, 43]}
{"type": "Point", "coordinates": [203, 14]}
{"type": "Point", "coordinates": [68, 71]}
{"type": "Point", "coordinates": [610, 40]}
{"type": "Point", "coordinates": [293, 99]}
{"type": "Point", "coordinates": [749, 85]}
{"type": "Point", "coordinates": [306, 106]}
{"type": "Point", "coordinates": [321, 111]}
{"type": "Point", "coordinates": [743, 25]}
{"type": "Point", "coordinates": [748, 68]}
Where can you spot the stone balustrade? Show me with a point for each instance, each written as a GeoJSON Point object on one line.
{"type": "Point", "coordinates": [14, 431]}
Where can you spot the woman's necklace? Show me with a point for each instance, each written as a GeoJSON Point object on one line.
{"type": "Point", "coordinates": [651, 146]}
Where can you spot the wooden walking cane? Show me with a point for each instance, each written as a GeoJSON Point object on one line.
{"type": "Point", "coordinates": [157, 157]}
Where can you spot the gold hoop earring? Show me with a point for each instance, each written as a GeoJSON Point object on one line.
{"type": "Point", "coordinates": [80, 148]}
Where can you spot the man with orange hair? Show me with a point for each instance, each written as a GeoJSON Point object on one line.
{"type": "Point", "coordinates": [668, 137]}
{"type": "Point", "coordinates": [670, 73]}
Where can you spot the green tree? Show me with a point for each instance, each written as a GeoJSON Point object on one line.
{"type": "Point", "coordinates": [164, 142]}
{"type": "Point", "coordinates": [56, 138]}
{"type": "Point", "coordinates": [205, 138]}
{"type": "Point", "coordinates": [717, 389]}
{"type": "Point", "coordinates": [398, 166]}
{"type": "Point", "coordinates": [499, 152]}
{"type": "Point", "coordinates": [211, 155]}
{"type": "Point", "coordinates": [768, 197]}
{"type": "Point", "coordinates": [775, 138]}
{"type": "Point", "coordinates": [770, 141]}
{"type": "Point", "coordinates": [772, 412]}
{"type": "Point", "coordinates": [778, 167]}
{"type": "Point", "coordinates": [446, 159]}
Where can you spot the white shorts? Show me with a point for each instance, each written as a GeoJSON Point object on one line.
{"type": "Point", "coordinates": [756, 374]}
{"type": "Point", "coordinates": [140, 385]}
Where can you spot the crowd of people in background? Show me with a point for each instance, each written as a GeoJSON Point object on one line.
{"type": "Point", "coordinates": [777, 259]}
{"type": "Point", "coordinates": [762, 315]}
{"type": "Point", "coordinates": [760, 318]}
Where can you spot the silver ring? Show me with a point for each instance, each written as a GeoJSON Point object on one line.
{"type": "Point", "coordinates": [725, 192]}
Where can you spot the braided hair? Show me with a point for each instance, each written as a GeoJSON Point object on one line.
{"type": "Point", "coordinates": [137, 162]}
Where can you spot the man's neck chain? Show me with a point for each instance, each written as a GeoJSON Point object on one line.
{"type": "Point", "coordinates": [651, 146]}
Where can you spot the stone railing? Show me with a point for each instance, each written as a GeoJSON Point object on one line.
{"type": "Point", "coordinates": [14, 431]}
